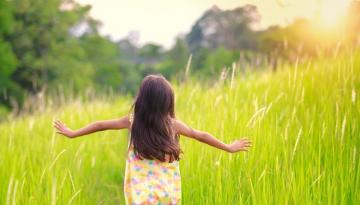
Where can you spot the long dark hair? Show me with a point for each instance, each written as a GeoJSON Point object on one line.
{"type": "Point", "coordinates": [152, 133]}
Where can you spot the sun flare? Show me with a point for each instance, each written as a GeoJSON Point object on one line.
{"type": "Point", "coordinates": [332, 11]}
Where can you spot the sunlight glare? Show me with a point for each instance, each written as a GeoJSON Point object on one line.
{"type": "Point", "coordinates": [332, 11]}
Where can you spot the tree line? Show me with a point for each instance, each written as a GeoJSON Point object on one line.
{"type": "Point", "coordinates": [48, 44]}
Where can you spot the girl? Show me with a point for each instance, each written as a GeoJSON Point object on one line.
{"type": "Point", "coordinates": [152, 174]}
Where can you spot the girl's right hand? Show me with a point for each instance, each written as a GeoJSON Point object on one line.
{"type": "Point", "coordinates": [239, 145]}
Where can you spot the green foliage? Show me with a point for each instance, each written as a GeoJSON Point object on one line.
{"type": "Point", "coordinates": [3, 111]}
{"type": "Point", "coordinates": [175, 59]}
{"type": "Point", "coordinates": [150, 51]}
{"type": "Point", "coordinates": [47, 45]}
{"type": "Point", "coordinates": [103, 55]}
{"type": "Point", "coordinates": [41, 49]}
{"type": "Point", "coordinates": [229, 28]}
{"type": "Point", "coordinates": [44, 46]}
{"type": "Point", "coordinates": [8, 89]}
{"type": "Point", "coordinates": [219, 59]}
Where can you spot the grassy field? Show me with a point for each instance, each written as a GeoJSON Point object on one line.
{"type": "Point", "coordinates": [304, 121]}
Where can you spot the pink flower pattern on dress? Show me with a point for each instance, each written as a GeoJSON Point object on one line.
{"type": "Point", "coordinates": [151, 182]}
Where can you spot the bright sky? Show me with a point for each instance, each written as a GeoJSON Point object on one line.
{"type": "Point", "coordinates": [160, 21]}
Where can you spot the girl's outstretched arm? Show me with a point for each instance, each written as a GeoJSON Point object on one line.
{"type": "Point", "coordinates": [114, 124]}
{"type": "Point", "coordinates": [236, 146]}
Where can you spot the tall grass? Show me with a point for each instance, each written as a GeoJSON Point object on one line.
{"type": "Point", "coordinates": [304, 121]}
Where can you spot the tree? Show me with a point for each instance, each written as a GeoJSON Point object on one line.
{"type": "Point", "coordinates": [219, 59]}
{"type": "Point", "coordinates": [175, 59]}
{"type": "Point", "coordinates": [48, 54]}
{"type": "Point", "coordinates": [231, 29]}
{"type": "Point", "coordinates": [105, 60]}
{"type": "Point", "coordinates": [9, 90]}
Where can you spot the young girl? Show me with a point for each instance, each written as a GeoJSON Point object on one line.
{"type": "Point", "coordinates": [152, 174]}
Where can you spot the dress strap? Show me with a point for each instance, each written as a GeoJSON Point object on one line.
{"type": "Point", "coordinates": [131, 118]}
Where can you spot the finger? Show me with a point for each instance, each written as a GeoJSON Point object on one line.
{"type": "Point", "coordinates": [58, 127]}
{"type": "Point", "coordinates": [246, 142]}
{"type": "Point", "coordinates": [63, 124]}
{"type": "Point", "coordinates": [57, 123]}
{"type": "Point", "coordinates": [60, 124]}
{"type": "Point", "coordinates": [244, 147]}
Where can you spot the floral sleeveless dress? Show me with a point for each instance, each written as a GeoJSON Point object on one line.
{"type": "Point", "coordinates": [151, 181]}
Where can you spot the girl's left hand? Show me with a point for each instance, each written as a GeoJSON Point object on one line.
{"type": "Point", "coordinates": [63, 129]}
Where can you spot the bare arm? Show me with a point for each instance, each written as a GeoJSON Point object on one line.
{"type": "Point", "coordinates": [114, 124]}
{"type": "Point", "coordinates": [205, 137]}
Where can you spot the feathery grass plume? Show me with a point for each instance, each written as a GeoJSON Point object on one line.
{"type": "Point", "coordinates": [232, 75]}
{"type": "Point", "coordinates": [187, 68]}
{"type": "Point", "coordinates": [53, 191]}
{"type": "Point", "coordinates": [256, 116]}
{"type": "Point", "coordinates": [73, 197]}
{"type": "Point", "coordinates": [296, 143]}
{"type": "Point", "coordinates": [9, 190]}
{"type": "Point", "coordinates": [353, 96]}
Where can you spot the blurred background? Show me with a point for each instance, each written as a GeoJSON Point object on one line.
{"type": "Point", "coordinates": [49, 47]}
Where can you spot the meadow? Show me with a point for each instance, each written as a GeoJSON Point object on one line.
{"type": "Point", "coordinates": [303, 119]}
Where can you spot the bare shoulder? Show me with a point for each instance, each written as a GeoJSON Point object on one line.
{"type": "Point", "coordinates": [123, 122]}
{"type": "Point", "coordinates": [176, 124]}
{"type": "Point", "coordinates": [127, 120]}
{"type": "Point", "coordinates": [181, 128]}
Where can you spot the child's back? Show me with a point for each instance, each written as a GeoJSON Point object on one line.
{"type": "Point", "coordinates": [151, 181]}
